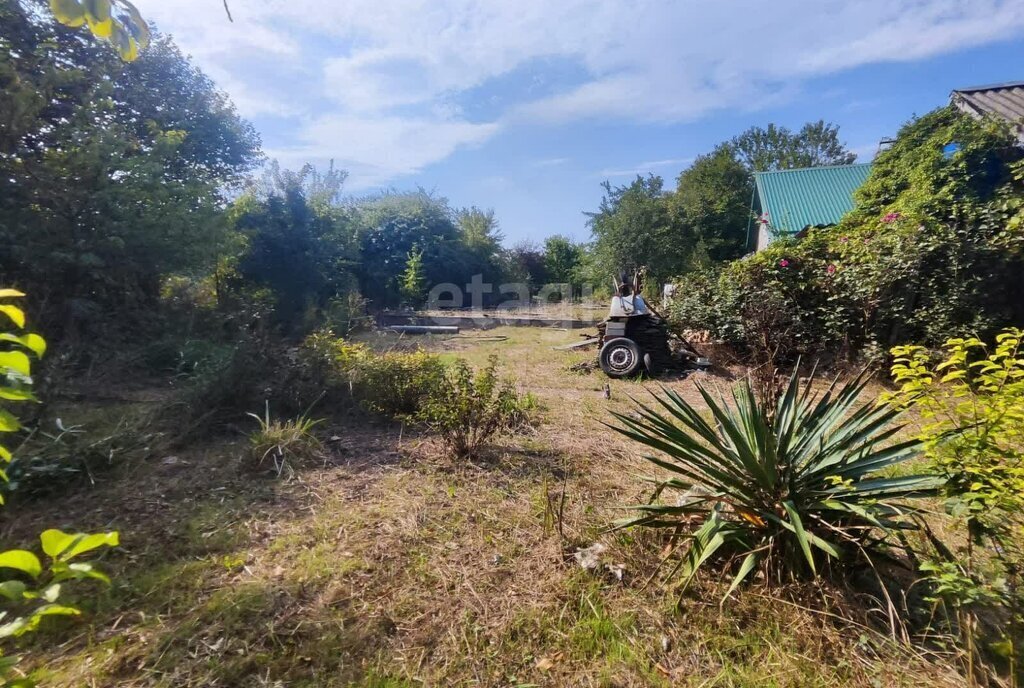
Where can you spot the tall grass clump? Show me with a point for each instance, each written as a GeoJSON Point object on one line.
{"type": "Point", "coordinates": [280, 440]}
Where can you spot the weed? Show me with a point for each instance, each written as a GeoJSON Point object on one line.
{"type": "Point", "coordinates": [280, 440]}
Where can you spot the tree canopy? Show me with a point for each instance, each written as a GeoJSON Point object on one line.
{"type": "Point", "coordinates": [106, 183]}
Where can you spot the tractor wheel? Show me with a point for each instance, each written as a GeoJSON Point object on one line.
{"type": "Point", "coordinates": [621, 357]}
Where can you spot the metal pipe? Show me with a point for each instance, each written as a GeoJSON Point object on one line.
{"type": "Point", "coordinates": [425, 329]}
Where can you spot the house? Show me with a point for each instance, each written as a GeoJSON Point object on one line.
{"type": "Point", "coordinates": [787, 202]}
{"type": "Point", "coordinates": [1005, 101]}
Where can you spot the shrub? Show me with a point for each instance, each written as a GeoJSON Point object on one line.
{"type": "Point", "coordinates": [787, 488]}
{"type": "Point", "coordinates": [931, 250]}
{"type": "Point", "coordinates": [467, 409]}
{"type": "Point", "coordinates": [281, 440]}
{"type": "Point", "coordinates": [396, 384]}
{"type": "Point", "coordinates": [972, 406]}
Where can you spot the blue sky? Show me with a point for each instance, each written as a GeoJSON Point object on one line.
{"type": "Point", "coordinates": [526, 106]}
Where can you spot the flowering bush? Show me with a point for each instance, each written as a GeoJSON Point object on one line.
{"type": "Point", "coordinates": [932, 250]}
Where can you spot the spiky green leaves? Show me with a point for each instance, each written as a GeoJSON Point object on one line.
{"type": "Point", "coordinates": [797, 486]}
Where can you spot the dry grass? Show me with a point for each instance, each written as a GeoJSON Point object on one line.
{"type": "Point", "coordinates": [391, 565]}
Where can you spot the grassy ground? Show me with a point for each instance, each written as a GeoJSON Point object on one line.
{"type": "Point", "coordinates": [387, 565]}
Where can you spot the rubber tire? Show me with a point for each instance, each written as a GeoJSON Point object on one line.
{"type": "Point", "coordinates": [621, 357]}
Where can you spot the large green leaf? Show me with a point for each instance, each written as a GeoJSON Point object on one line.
{"type": "Point", "coordinates": [16, 315]}
{"type": "Point", "coordinates": [801, 534]}
{"type": "Point", "coordinates": [749, 562]}
{"type": "Point", "coordinates": [64, 546]}
{"type": "Point", "coordinates": [69, 13]}
{"type": "Point", "coordinates": [15, 361]}
{"type": "Point", "coordinates": [8, 422]}
{"type": "Point", "coordinates": [32, 342]}
{"type": "Point", "coordinates": [21, 560]}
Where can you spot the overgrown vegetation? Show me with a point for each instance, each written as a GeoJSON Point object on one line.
{"type": "Point", "coordinates": [282, 440]}
{"type": "Point", "coordinates": [932, 249]}
{"type": "Point", "coordinates": [178, 287]}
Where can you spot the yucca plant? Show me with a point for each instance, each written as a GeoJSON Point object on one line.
{"type": "Point", "coordinates": [787, 488]}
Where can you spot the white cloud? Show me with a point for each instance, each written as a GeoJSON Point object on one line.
{"type": "Point", "coordinates": [377, 150]}
{"type": "Point", "coordinates": [393, 73]}
{"type": "Point", "coordinates": [644, 168]}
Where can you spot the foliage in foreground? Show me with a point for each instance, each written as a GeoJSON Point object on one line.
{"type": "Point", "coordinates": [115, 21]}
{"type": "Point", "coordinates": [786, 489]}
{"type": "Point", "coordinates": [33, 592]}
{"type": "Point", "coordinates": [972, 405]}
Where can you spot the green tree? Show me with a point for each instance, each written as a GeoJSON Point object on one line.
{"type": "Point", "coordinates": [303, 250]}
{"type": "Point", "coordinates": [712, 204]}
{"type": "Point", "coordinates": [633, 228]}
{"type": "Point", "coordinates": [391, 224]}
{"type": "Point", "coordinates": [525, 263]}
{"type": "Point", "coordinates": [778, 148]}
{"type": "Point", "coordinates": [563, 259]}
{"type": "Point", "coordinates": [148, 177]}
{"type": "Point", "coordinates": [414, 281]}
{"type": "Point", "coordinates": [480, 232]}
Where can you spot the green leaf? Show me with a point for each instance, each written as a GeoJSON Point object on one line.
{"type": "Point", "coordinates": [68, 12]}
{"type": "Point", "coordinates": [749, 562]}
{"type": "Point", "coordinates": [136, 25]}
{"type": "Point", "coordinates": [801, 534]}
{"type": "Point", "coordinates": [8, 422]}
{"type": "Point", "coordinates": [13, 590]}
{"type": "Point", "coordinates": [32, 342]}
{"type": "Point", "coordinates": [16, 361]}
{"type": "Point", "coordinates": [78, 570]}
{"type": "Point", "coordinates": [99, 10]}
{"type": "Point", "coordinates": [13, 394]}
{"type": "Point", "coordinates": [21, 560]}
{"type": "Point", "coordinates": [126, 45]}
{"type": "Point", "coordinates": [63, 546]}
{"type": "Point", "coordinates": [16, 315]}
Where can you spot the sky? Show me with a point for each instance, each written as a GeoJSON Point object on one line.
{"type": "Point", "coordinates": [527, 106]}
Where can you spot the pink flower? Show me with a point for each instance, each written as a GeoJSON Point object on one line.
{"type": "Point", "coordinates": [844, 239]}
{"type": "Point", "coordinates": [831, 269]}
{"type": "Point", "coordinates": [891, 217]}
{"type": "Point", "coordinates": [783, 263]}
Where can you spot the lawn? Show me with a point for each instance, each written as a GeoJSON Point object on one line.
{"type": "Point", "coordinates": [388, 564]}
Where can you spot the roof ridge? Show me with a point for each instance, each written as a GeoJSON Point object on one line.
{"type": "Point", "coordinates": [813, 167]}
{"type": "Point", "coordinates": [990, 87]}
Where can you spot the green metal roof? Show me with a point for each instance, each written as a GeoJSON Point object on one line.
{"type": "Point", "coordinates": [810, 196]}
